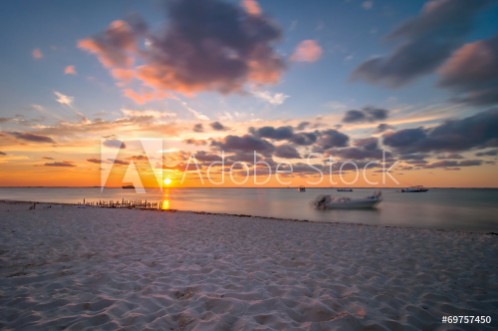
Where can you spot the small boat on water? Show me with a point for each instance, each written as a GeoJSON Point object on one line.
{"type": "Point", "coordinates": [414, 189]}
{"type": "Point", "coordinates": [301, 189]}
{"type": "Point", "coordinates": [128, 187]}
{"type": "Point", "coordinates": [330, 202]}
{"type": "Point", "coordinates": [344, 189]}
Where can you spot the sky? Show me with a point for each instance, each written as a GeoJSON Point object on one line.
{"type": "Point", "coordinates": [279, 93]}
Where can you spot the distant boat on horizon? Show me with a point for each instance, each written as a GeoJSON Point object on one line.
{"type": "Point", "coordinates": [301, 189]}
{"type": "Point", "coordinates": [128, 186]}
{"type": "Point", "coordinates": [345, 189]}
{"type": "Point", "coordinates": [414, 189]}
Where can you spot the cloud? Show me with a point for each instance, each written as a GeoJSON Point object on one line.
{"type": "Point", "coordinates": [115, 47]}
{"type": "Point", "coordinates": [477, 131]}
{"type": "Point", "coordinates": [285, 133]}
{"type": "Point", "coordinates": [217, 126]}
{"type": "Point", "coordinates": [246, 143]}
{"type": "Point", "coordinates": [367, 114]}
{"type": "Point", "coordinates": [384, 127]}
{"type": "Point", "coordinates": [274, 99]}
{"type": "Point", "coordinates": [2, 153]}
{"type": "Point", "coordinates": [196, 142]}
{"type": "Point", "coordinates": [204, 156]}
{"type": "Point", "coordinates": [198, 127]}
{"type": "Point", "coordinates": [37, 54]}
{"type": "Point", "coordinates": [303, 125]}
{"type": "Point", "coordinates": [142, 97]}
{"type": "Point", "coordinates": [287, 152]}
{"type": "Point", "coordinates": [425, 42]}
{"type": "Point", "coordinates": [208, 45]}
{"type": "Point", "coordinates": [366, 148]}
{"type": "Point", "coordinates": [147, 114]}
{"type": "Point", "coordinates": [31, 137]}
{"type": "Point", "coordinates": [493, 152]}
{"type": "Point", "coordinates": [70, 70]}
{"type": "Point", "coordinates": [452, 164]}
{"type": "Point", "coordinates": [119, 162]}
{"type": "Point", "coordinates": [251, 7]}
{"type": "Point", "coordinates": [472, 71]}
{"type": "Point", "coordinates": [452, 156]}
{"type": "Point", "coordinates": [304, 139]}
{"type": "Point", "coordinates": [114, 143]}
{"type": "Point", "coordinates": [64, 99]}
{"type": "Point", "coordinates": [59, 164]}
{"type": "Point", "coordinates": [280, 133]}
{"type": "Point", "coordinates": [97, 161]}
{"type": "Point", "coordinates": [330, 139]}
{"type": "Point", "coordinates": [307, 51]}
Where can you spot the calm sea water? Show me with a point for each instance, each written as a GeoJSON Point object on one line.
{"type": "Point", "coordinates": [459, 209]}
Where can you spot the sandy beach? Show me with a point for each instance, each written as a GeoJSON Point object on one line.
{"type": "Point", "coordinates": [94, 268]}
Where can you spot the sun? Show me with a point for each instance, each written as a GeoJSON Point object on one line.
{"type": "Point", "coordinates": [167, 181]}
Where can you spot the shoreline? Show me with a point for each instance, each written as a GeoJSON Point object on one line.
{"type": "Point", "coordinates": [111, 268]}
{"type": "Point", "coordinates": [282, 219]}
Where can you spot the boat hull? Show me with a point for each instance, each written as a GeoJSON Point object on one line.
{"type": "Point", "coordinates": [353, 204]}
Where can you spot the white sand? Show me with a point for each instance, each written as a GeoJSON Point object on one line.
{"type": "Point", "coordinates": [107, 269]}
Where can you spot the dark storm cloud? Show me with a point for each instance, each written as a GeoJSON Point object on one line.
{"type": "Point", "coordinates": [367, 114]}
{"type": "Point", "coordinates": [31, 137]}
{"type": "Point", "coordinates": [479, 130]}
{"type": "Point", "coordinates": [217, 126]}
{"type": "Point", "coordinates": [424, 42]}
{"type": "Point", "coordinates": [287, 152]}
{"type": "Point", "coordinates": [472, 70]}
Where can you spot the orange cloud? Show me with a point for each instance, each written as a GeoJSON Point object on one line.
{"type": "Point", "coordinates": [177, 60]}
{"type": "Point", "coordinates": [70, 70]}
{"type": "Point", "coordinates": [468, 62]}
{"type": "Point", "coordinates": [114, 47]}
{"type": "Point", "coordinates": [307, 51]}
{"type": "Point", "coordinates": [143, 97]}
{"type": "Point", "coordinates": [252, 7]}
{"type": "Point", "coordinates": [37, 54]}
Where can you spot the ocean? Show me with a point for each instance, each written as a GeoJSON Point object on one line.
{"type": "Point", "coordinates": [456, 209]}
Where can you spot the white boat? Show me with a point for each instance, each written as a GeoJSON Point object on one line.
{"type": "Point", "coordinates": [330, 202]}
